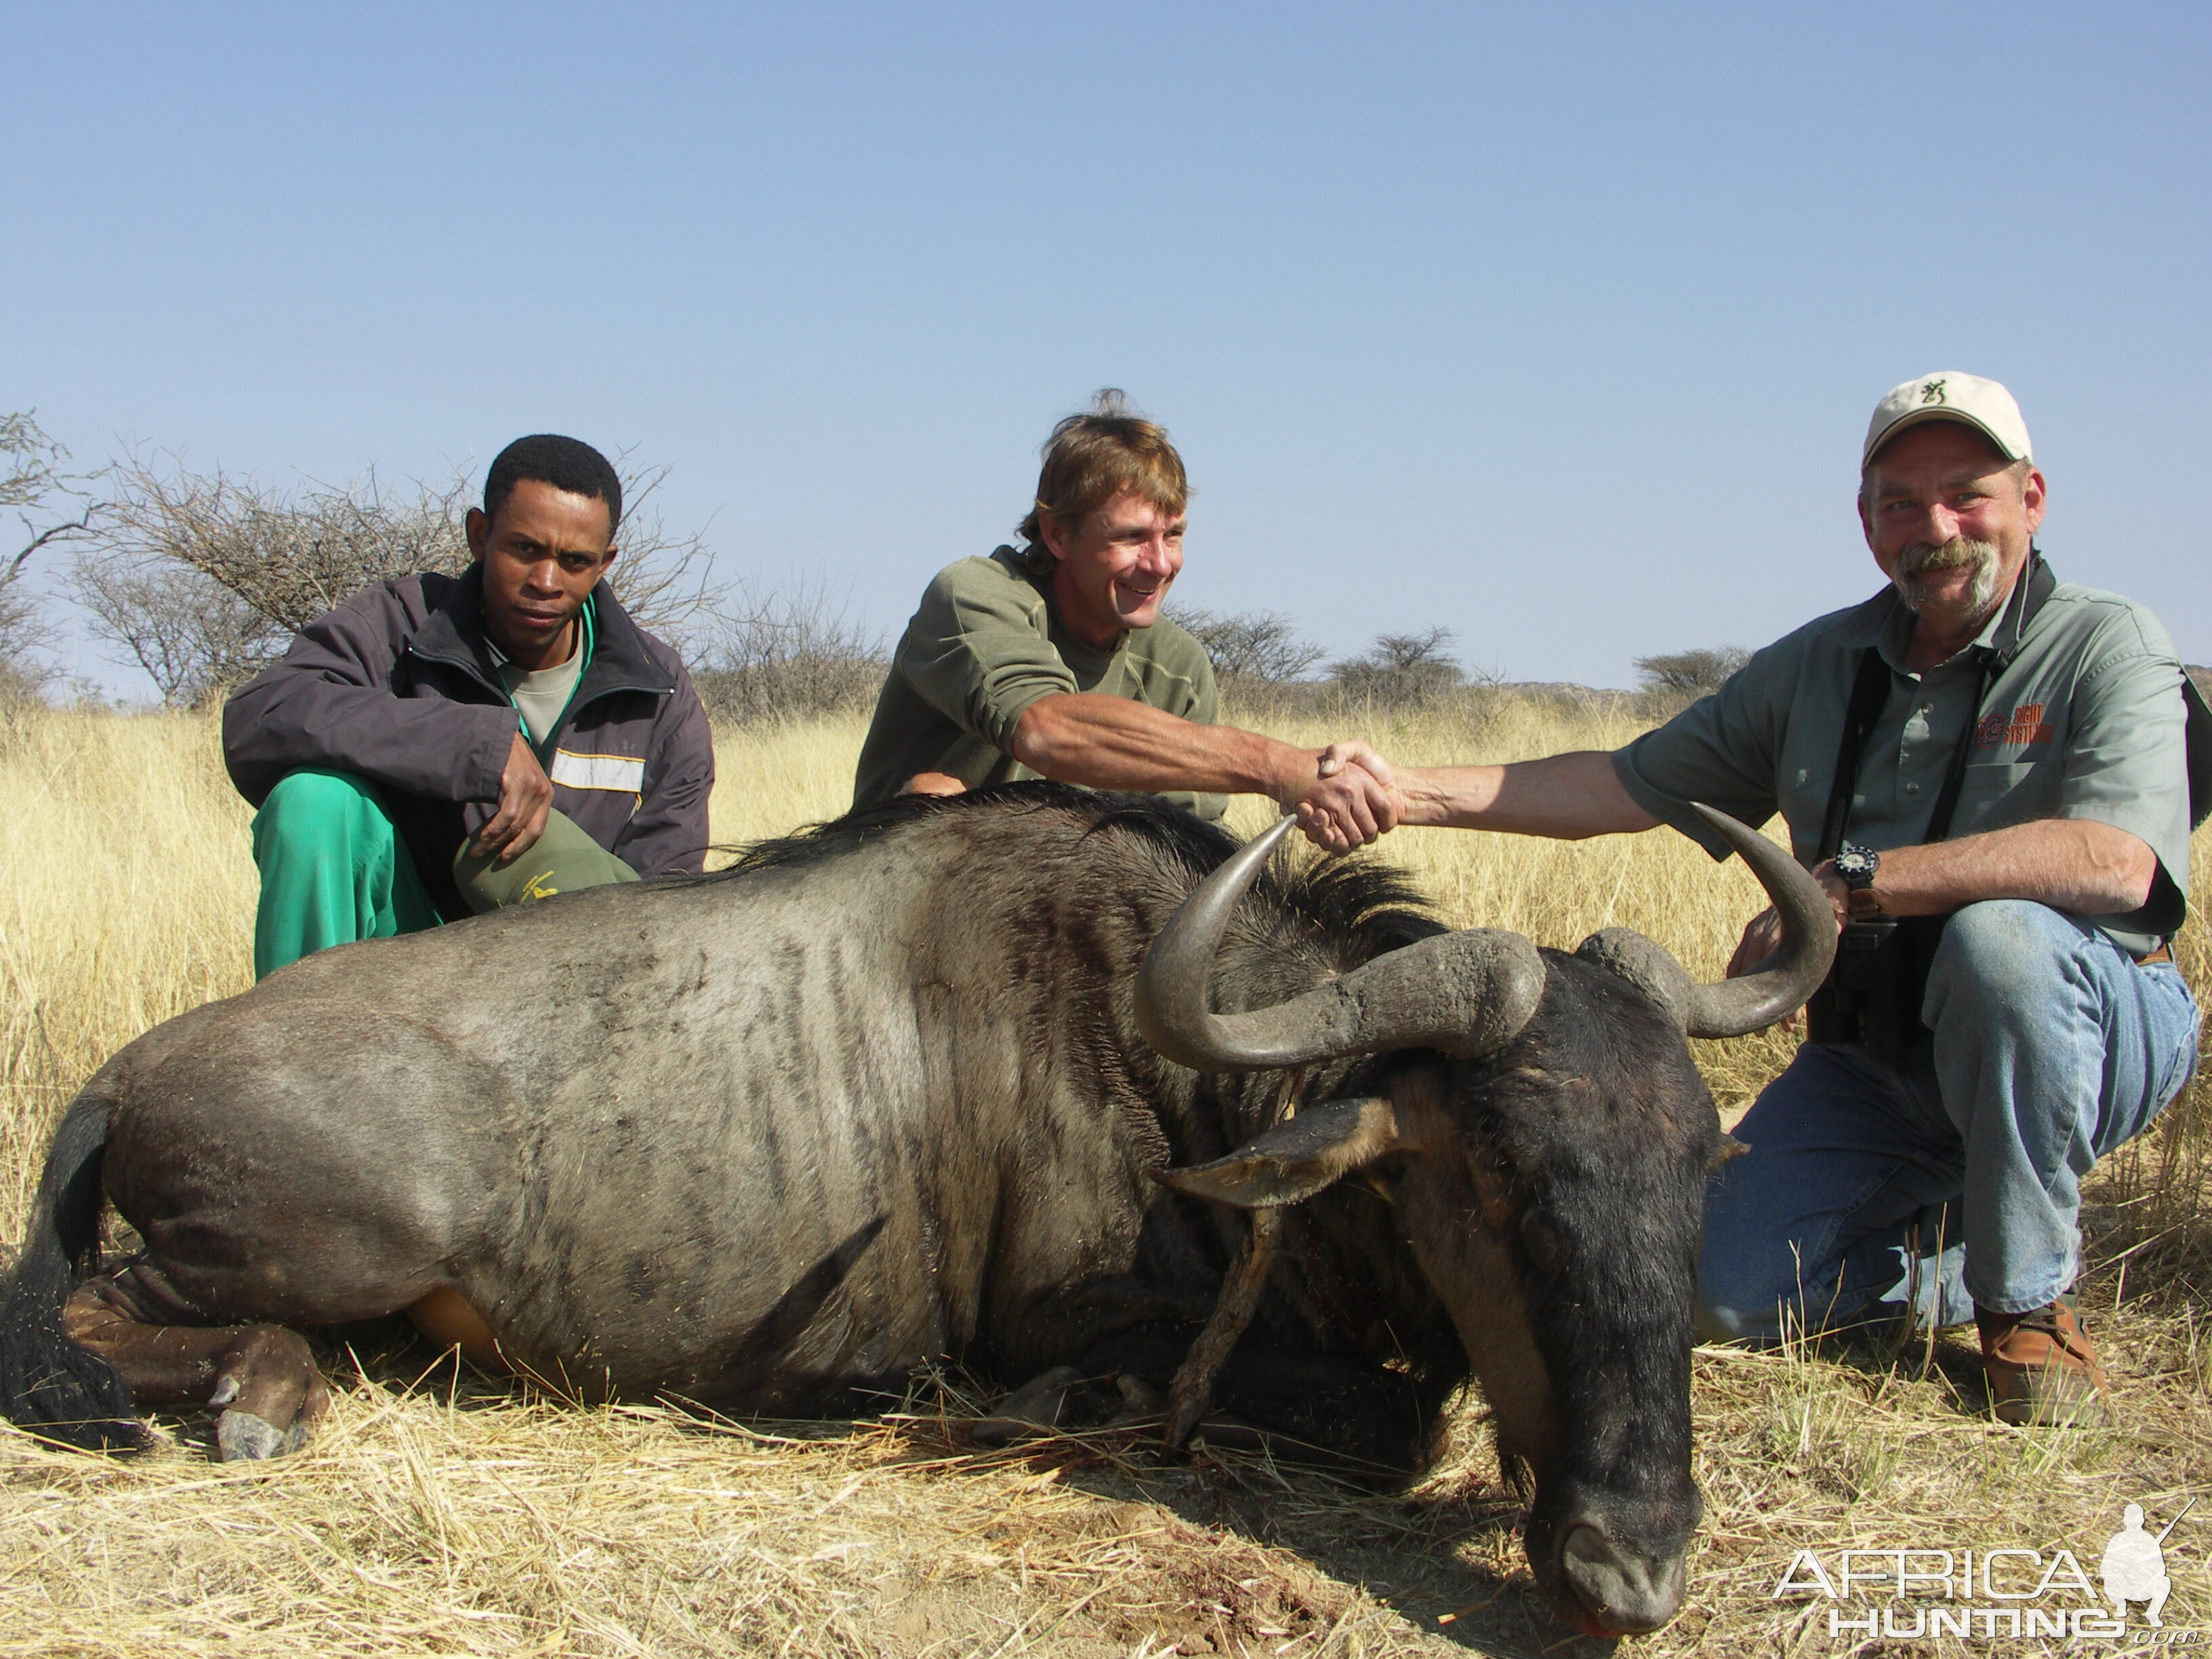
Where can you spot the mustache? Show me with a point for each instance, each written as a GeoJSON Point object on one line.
{"type": "Point", "coordinates": [1918, 558]}
{"type": "Point", "coordinates": [1945, 556]}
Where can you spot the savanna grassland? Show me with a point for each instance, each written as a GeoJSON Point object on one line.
{"type": "Point", "coordinates": [441, 1513]}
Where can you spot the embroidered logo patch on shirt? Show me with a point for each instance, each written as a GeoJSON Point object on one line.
{"type": "Point", "coordinates": [2024, 724]}
{"type": "Point", "coordinates": [621, 771]}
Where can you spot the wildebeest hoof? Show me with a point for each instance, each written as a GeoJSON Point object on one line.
{"type": "Point", "coordinates": [240, 1436]}
{"type": "Point", "coordinates": [1142, 1399]}
{"type": "Point", "coordinates": [1229, 1433]}
{"type": "Point", "coordinates": [1141, 1402]}
{"type": "Point", "coordinates": [1035, 1406]}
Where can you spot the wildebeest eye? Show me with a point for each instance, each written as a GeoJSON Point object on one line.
{"type": "Point", "coordinates": [1543, 1244]}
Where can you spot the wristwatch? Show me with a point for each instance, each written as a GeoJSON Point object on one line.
{"type": "Point", "coordinates": [1855, 867]}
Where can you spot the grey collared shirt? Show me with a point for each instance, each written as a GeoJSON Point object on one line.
{"type": "Point", "coordinates": [2086, 722]}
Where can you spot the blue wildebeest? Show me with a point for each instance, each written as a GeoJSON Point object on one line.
{"type": "Point", "coordinates": [768, 1139]}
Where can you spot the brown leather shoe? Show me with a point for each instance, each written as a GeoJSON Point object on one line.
{"type": "Point", "coordinates": [2040, 1367]}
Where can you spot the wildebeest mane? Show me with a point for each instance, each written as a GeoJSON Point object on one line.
{"type": "Point", "coordinates": [819, 843]}
{"type": "Point", "coordinates": [1367, 905]}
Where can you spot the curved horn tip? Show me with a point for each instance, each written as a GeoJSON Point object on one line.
{"type": "Point", "coordinates": [1272, 837]}
{"type": "Point", "coordinates": [1172, 1003]}
{"type": "Point", "coordinates": [1735, 1007]}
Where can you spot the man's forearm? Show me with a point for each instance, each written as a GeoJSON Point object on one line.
{"type": "Point", "coordinates": [285, 720]}
{"type": "Point", "coordinates": [1566, 797]}
{"type": "Point", "coordinates": [2075, 865]}
{"type": "Point", "coordinates": [1113, 742]}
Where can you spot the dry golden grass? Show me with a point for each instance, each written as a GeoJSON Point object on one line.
{"type": "Point", "coordinates": [439, 1514]}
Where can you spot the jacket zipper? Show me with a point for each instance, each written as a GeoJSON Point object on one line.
{"type": "Point", "coordinates": [499, 692]}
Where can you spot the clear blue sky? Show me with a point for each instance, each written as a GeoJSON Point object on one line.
{"type": "Point", "coordinates": [1559, 327]}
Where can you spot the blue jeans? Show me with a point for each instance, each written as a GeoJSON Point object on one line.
{"type": "Point", "coordinates": [1952, 1178]}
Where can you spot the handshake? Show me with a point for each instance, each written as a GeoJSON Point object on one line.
{"type": "Point", "coordinates": [1350, 799]}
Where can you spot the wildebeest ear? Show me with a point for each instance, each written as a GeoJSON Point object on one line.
{"type": "Point", "coordinates": [1729, 1147]}
{"type": "Point", "coordinates": [1294, 1160]}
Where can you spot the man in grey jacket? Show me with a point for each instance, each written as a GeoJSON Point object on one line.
{"type": "Point", "coordinates": [438, 745]}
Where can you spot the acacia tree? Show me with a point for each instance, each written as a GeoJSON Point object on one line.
{"type": "Point", "coordinates": [1402, 671]}
{"type": "Point", "coordinates": [36, 485]}
{"type": "Point", "coordinates": [1679, 678]}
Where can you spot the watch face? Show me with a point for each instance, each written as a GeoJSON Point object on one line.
{"type": "Point", "coordinates": [1856, 863]}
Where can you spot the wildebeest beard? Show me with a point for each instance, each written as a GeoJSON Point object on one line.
{"type": "Point", "coordinates": [1921, 556]}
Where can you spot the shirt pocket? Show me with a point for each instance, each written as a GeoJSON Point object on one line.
{"type": "Point", "coordinates": [1996, 794]}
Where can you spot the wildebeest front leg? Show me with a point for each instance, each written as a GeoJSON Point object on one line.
{"type": "Point", "coordinates": [261, 1378]}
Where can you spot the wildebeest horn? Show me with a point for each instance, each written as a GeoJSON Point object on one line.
{"type": "Point", "coordinates": [1466, 994]}
{"type": "Point", "coordinates": [1734, 1007]}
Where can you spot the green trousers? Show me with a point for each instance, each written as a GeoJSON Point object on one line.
{"type": "Point", "coordinates": [334, 870]}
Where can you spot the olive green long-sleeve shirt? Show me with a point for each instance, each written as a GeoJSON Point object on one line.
{"type": "Point", "coordinates": [985, 644]}
{"type": "Point", "coordinates": [2086, 722]}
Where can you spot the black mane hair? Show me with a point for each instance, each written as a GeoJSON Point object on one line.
{"type": "Point", "coordinates": [1360, 901]}
{"type": "Point", "coordinates": [569, 465]}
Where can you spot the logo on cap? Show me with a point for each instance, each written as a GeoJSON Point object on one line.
{"type": "Point", "coordinates": [1932, 392]}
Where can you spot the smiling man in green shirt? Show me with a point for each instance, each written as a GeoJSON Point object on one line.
{"type": "Point", "coordinates": [1052, 661]}
{"type": "Point", "coordinates": [1985, 767]}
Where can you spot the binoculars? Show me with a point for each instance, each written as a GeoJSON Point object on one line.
{"type": "Point", "coordinates": [1873, 993]}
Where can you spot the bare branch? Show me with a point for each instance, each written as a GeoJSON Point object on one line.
{"type": "Point", "coordinates": [80, 526]}
{"type": "Point", "coordinates": [1250, 649]}
{"type": "Point", "coordinates": [194, 638]}
{"type": "Point", "coordinates": [287, 557]}
{"type": "Point", "coordinates": [32, 474]}
{"type": "Point", "coordinates": [664, 580]}
{"type": "Point", "coordinates": [787, 654]}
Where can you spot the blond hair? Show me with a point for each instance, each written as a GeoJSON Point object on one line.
{"type": "Point", "coordinates": [1107, 451]}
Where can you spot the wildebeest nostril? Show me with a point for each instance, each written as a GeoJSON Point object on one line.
{"type": "Point", "coordinates": [1624, 1591]}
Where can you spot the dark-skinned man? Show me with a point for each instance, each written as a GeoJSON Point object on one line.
{"type": "Point", "coordinates": [441, 745]}
{"type": "Point", "coordinates": [1997, 759]}
{"type": "Point", "coordinates": [1053, 661]}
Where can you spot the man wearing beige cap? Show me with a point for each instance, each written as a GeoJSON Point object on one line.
{"type": "Point", "coordinates": [1985, 768]}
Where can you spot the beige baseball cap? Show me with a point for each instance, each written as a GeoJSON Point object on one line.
{"type": "Point", "coordinates": [1950, 396]}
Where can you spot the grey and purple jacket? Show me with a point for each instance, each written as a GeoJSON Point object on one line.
{"type": "Point", "coordinates": [398, 685]}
